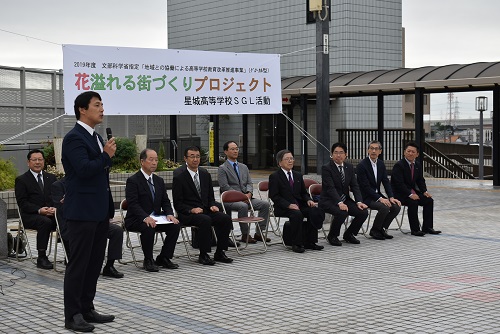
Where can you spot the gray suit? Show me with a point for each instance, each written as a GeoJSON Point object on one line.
{"type": "Point", "coordinates": [228, 180]}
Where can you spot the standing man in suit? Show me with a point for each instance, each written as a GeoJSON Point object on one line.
{"type": "Point", "coordinates": [195, 203]}
{"type": "Point", "coordinates": [338, 180]}
{"type": "Point", "coordinates": [88, 206]}
{"type": "Point", "coordinates": [35, 205]}
{"type": "Point", "coordinates": [371, 173]}
{"type": "Point", "coordinates": [115, 232]}
{"type": "Point", "coordinates": [290, 197]}
{"type": "Point", "coordinates": [409, 187]}
{"type": "Point", "coordinates": [235, 176]}
{"type": "Point", "coordinates": [147, 197]}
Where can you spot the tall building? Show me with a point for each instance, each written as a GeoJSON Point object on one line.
{"type": "Point", "coordinates": [365, 35]}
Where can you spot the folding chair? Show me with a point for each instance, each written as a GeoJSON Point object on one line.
{"type": "Point", "coordinates": [22, 236]}
{"type": "Point", "coordinates": [128, 242]}
{"type": "Point", "coordinates": [274, 222]}
{"type": "Point", "coordinates": [233, 196]}
{"type": "Point", "coordinates": [400, 221]}
{"type": "Point", "coordinates": [59, 237]}
{"type": "Point", "coordinates": [315, 190]}
{"type": "Point", "coordinates": [309, 182]}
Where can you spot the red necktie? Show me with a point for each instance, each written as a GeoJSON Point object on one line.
{"type": "Point", "coordinates": [412, 168]}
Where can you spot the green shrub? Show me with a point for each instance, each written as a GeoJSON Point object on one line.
{"type": "Point", "coordinates": [161, 157]}
{"type": "Point", "coordinates": [125, 158]}
{"type": "Point", "coordinates": [8, 173]}
{"type": "Point", "coordinates": [49, 154]}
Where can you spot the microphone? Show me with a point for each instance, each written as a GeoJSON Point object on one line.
{"type": "Point", "coordinates": [108, 133]}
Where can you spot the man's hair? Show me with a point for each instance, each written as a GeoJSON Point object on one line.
{"type": "Point", "coordinates": [83, 101]}
{"type": "Point", "coordinates": [144, 153]}
{"type": "Point", "coordinates": [191, 148]}
{"type": "Point", "coordinates": [225, 147]}
{"type": "Point", "coordinates": [35, 151]}
{"type": "Point", "coordinates": [281, 154]}
{"type": "Point", "coordinates": [375, 142]}
{"type": "Point", "coordinates": [341, 145]}
{"type": "Point", "coordinates": [412, 144]}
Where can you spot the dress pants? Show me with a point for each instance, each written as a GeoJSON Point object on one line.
{"type": "Point", "coordinates": [148, 237]}
{"type": "Point", "coordinates": [242, 208]}
{"type": "Point", "coordinates": [87, 240]}
{"type": "Point", "coordinates": [115, 242]}
{"type": "Point", "coordinates": [43, 225]}
{"type": "Point", "coordinates": [221, 223]}
{"type": "Point", "coordinates": [303, 232]}
{"type": "Point", "coordinates": [385, 214]}
{"type": "Point", "coordinates": [339, 217]}
{"type": "Point", "coordinates": [428, 212]}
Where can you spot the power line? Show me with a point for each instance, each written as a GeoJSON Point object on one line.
{"type": "Point", "coordinates": [38, 39]}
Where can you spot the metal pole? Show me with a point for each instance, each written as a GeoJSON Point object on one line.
{"type": "Point", "coordinates": [481, 158]}
{"type": "Point", "coordinates": [322, 89]}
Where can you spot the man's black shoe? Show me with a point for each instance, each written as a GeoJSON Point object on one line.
{"type": "Point", "coordinates": [78, 324]}
{"type": "Point", "coordinates": [44, 263]}
{"type": "Point", "coordinates": [313, 247]}
{"type": "Point", "coordinates": [206, 260]}
{"type": "Point", "coordinates": [222, 257]}
{"type": "Point", "coordinates": [377, 235]}
{"type": "Point", "coordinates": [111, 272]}
{"type": "Point", "coordinates": [334, 241]}
{"type": "Point", "coordinates": [386, 235]}
{"type": "Point", "coordinates": [431, 231]}
{"type": "Point", "coordinates": [150, 265]}
{"type": "Point", "coordinates": [298, 249]}
{"type": "Point", "coordinates": [418, 233]}
{"type": "Point", "coordinates": [166, 263]}
{"type": "Point", "coordinates": [93, 316]}
{"type": "Point", "coordinates": [350, 238]}
{"type": "Point", "coordinates": [231, 243]}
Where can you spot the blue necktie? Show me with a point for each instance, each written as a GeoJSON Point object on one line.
{"type": "Point", "coordinates": [235, 166]}
{"type": "Point", "coordinates": [151, 187]}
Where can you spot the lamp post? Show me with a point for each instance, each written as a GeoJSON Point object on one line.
{"type": "Point", "coordinates": [481, 105]}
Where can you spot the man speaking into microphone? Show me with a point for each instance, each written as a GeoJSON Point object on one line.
{"type": "Point", "coordinates": [88, 206]}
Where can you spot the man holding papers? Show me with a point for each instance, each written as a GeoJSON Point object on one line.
{"type": "Point", "coordinates": [149, 211]}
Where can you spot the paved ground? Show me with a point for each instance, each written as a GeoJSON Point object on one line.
{"type": "Point", "coordinates": [434, 284]}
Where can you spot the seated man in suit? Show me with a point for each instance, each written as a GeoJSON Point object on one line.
{"type": "Point", "coordinates": [371, 173]}
{"type": "Point", "coordinates": [338, 180]}
{"type": "Point", "coordinates": [408, 184]}
{"type": "Point", "coordinates": [115, 232]}
{"type": "Point", "coordinates": [235, 176]}
{"type": "Point", "coordinates": [147, 197]}
{"type": "Point", "coordinates": [290, 197]}
{"type": "Point", "coordinates": [35, 205]}
{"type": "Point", "coordinates": [195, 203]}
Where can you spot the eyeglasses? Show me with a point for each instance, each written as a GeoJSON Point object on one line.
{"type": "Point", "coordinates": [373, 148]}
{"type": "Point", "coordinates": [339, 153]}
{"type": "Point", "coordinates": [37, 159]}
{"type": "Point", "coordinates": [289, 159]}
{"type": "Point", "coordinates": [234, 149]}
{"type": "Point", "coordinates": [194, 156]}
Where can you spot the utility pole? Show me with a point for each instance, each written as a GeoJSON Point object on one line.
{"type": "Point", "coordinates": [320, 8]}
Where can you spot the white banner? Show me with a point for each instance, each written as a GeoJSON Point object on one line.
{"type": "Point", "coordinates": [134, 81]}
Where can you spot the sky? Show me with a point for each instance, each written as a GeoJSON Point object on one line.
{"type": "Point", "coordinates": [438, 32]}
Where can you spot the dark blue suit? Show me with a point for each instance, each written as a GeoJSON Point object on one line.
{"type": "Point", "coordinates": [370, 191]}
{"type": "Point", "coordinates": [403, 184]}
{"type": "Point", "coordinates": [88, 205]}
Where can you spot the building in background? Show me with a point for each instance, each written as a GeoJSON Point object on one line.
{"type": "Point", "coordinates": [364, 35]}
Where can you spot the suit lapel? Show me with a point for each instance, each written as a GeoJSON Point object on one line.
{"type": "Point", "coordinates": [89, 138]}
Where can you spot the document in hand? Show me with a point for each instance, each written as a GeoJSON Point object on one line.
{"type": "Point", "coordinates": [161, 219]}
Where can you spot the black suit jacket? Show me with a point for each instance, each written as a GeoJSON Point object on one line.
{"type": "Point", "coordinates": [88, 196]}
{"type": "Point", "coordinates": [282, 194]}
{"type": "Point", "coordinates": [186, 196]}
{"type": "Point", "coordinates": [30, 198]}
{"type": "Point", "coordinates": [370, 189]}
{"type": "Point", "coordinates": [333, 188]}
{"type": "Point", "coordinates": [140, 200]}
{"type": "Point", "coordinates": [401, 180]}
